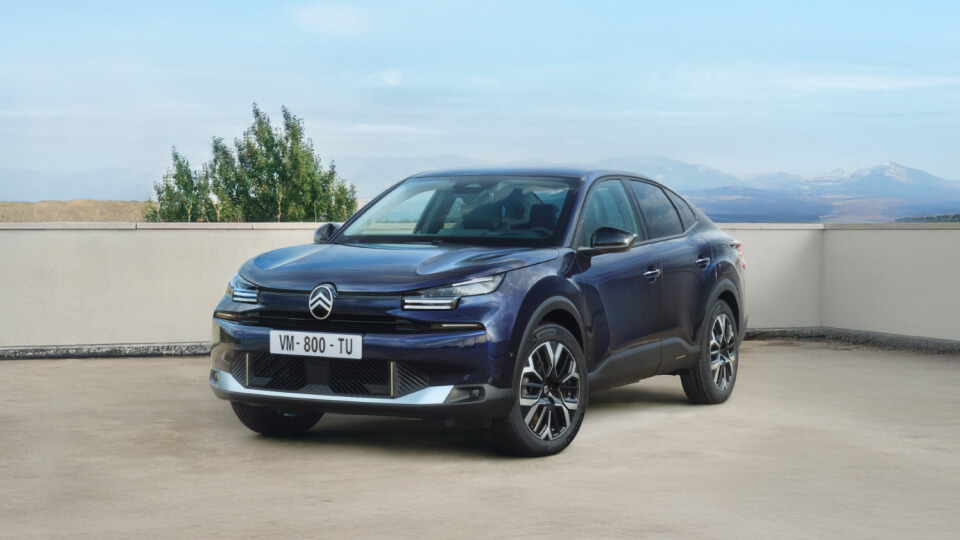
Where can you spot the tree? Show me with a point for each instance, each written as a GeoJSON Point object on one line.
{"type": "Point", "coordinates": [343, 202]}
{"type": "Point", "coordinates": [230, 192]}
{"type": "Point", "coordinates": [182, 195]}
{"type": "Point", "coordinates": [270, 174]}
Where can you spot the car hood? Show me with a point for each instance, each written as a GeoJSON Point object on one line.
{"type": "Point", "coordinates": [383, 268]}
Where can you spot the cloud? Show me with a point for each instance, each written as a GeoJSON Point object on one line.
{"type": "Point", "coordinates": [741, 83]}
{"type": "Point", "coordinates": [486, 82]}
{"type": "Point", "coordinates": [863, 82]}
{"type": "Point", "coordinates": [333, 19]}
{"type": "Point", "coordinates": [388, 129]}
{"type": "Point", "coordinates": [387, 77]}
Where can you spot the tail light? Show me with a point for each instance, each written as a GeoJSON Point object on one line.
{"type": "Point", "coordinates": [738, 245]}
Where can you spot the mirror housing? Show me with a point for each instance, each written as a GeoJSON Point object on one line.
{"type": "Point", "coordinates": [324, 232]}
{"type": "Point", "coordinates": [608, 240]}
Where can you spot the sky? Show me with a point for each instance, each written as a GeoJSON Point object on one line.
{"type": "Point", "coordinates": [745, 87]}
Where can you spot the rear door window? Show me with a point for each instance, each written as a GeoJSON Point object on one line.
{"type": "Point", "coordinates": [658, 212]}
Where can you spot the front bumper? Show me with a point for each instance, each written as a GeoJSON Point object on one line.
{"type": "Point", "coordinates": [432, 402]}
{"type": "Point", "coordinates": [454, 375]}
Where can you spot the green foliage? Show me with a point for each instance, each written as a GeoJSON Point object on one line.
{"type": "Point", "coordinates": [181, 195]}
{"type": "Point", "coordinates": [270, 174]}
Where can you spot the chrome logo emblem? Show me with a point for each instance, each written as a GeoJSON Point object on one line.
{"type": "Point", "coordinates": [321, 302]}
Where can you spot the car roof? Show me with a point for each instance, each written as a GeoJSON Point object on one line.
{"type": "Point", "coordinates": [587, 175]}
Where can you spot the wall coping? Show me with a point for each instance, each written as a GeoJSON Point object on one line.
{"type": "Point", "coordinates": [310, 226]}
{"type": "Point", "coordinates": [121, 226]}
{"type": "Point", "coordinates": [886, 226]}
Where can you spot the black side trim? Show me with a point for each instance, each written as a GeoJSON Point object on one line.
{"type": "Point", "coordinates": [677, 354]}
{"type": "Point", "coordinates": [626, 367]}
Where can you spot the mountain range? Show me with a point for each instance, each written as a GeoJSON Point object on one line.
{"type": "Point", "coordinates": [881, 193]}
{"type": "Point", "coordinates": [111, 183]}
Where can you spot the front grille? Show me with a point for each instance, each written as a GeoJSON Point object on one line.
{"type": "Point", "coordinates": [360, 324]}
{"type": "Point", "coordinates": [327, 376]}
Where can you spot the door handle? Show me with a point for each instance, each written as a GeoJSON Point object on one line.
{"type": "Point", "coordinates": [702, 262]}
{"type": "Point", "coordinates": [652, 274]}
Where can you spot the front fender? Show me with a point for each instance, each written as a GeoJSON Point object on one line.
{"type": "Point", "coordinates": [546, 292]}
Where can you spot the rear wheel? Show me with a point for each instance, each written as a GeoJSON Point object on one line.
{"type": "Point", "coordinates": [711, 380]}
{"type": "Point", "coordinates": [551, 387]}
{"type": "Point", "coordinates": [273, 422]}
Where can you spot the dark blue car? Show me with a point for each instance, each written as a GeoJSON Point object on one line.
{"type": "Point", "coordinates": [501, 296]}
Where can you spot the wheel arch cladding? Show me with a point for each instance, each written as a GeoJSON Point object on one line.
{"type": "Point", "coordinates": [566, 319]}
{"type": "Point", "coordinates": [726, 290]}
{"type": "Point", "coordinates": [538, 308]}
{"type": "Point", "coordinates": [731, 300]}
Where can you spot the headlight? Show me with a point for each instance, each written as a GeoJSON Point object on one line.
{"type": "Point", "coordinates": [242, 290]}
{"type": "Point", "coordinates": [447, 297]}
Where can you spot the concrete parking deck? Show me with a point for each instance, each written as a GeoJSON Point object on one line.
{"type": "Point", "coordinates": [819, 441]}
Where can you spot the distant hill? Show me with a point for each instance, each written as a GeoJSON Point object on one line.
{"type": "Point", "coordinates": [881, 193]}
{"type": "Point", "coordinates": [111, 183]}
{"type": "Point", "coordinates": [373, 175]}
{"type": "Point", "coordinates": [885, 192]}
{"type": "Point", "coordinates": [77, 210]}
{"type": "Point", "coordinates": [945, 218]}
{"type": "Point", "coordinates": [735, 204]}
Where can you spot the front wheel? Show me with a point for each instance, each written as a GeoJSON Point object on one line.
{"type": "Point", "coordinates": [550, 383]}
{"type": "Point", "coordinates": [712, 378]}
{"type": "Point", "coordinates": [275, 423]}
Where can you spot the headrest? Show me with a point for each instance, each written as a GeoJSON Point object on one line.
{"type": "Point", "coordinates": [543, 215]}
{"type": "Point", "coordinates": [485, 216]}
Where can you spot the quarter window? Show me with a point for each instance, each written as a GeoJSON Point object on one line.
{"type": "Point", "coordinates": [686, 213]}
{"type": "Point", "coordinates": [657, 210]}
{"type": "Point", "coordinates": [607, 206]}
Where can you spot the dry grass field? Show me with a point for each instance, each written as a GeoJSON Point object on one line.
{"type": "Point", "coordinates": [77, 210]}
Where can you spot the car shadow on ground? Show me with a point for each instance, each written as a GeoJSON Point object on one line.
{"type": "Point", "coordinates": [405, 435]}
{"type": "Point", "coordinates": [400, 435]}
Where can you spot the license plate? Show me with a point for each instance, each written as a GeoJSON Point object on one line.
{"type": "Point", "coordinates": [320, 344]}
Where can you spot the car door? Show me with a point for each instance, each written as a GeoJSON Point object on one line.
{"type": "Point", "coordinates": [685, 262]}
{"type": "Point", "coordinates": [622, 305]}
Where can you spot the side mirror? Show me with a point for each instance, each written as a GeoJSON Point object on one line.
{"type": "Point", "coordinates": [608, 240]}
{"type": "Point", "coordinates": [324, 232]}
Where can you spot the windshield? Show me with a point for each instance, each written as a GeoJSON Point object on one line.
{"type": "Point", "coordinates": [486, 210]}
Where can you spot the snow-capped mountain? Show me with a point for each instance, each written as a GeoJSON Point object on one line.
{"type": "Point", "coordinates": [879, 193]}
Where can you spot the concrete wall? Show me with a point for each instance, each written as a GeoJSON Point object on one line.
{"type": "Point", "coordinates": [113, 283]}
{"type": "Point", "coordinates": [894, 280]}
{"type": "Point", "coordinates": [783, 273]}
{"type": "Point", "coordinates": [84, 284]}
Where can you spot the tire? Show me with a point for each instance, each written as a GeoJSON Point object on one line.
{"type": "Point", "coordinates": [712, 378]}
{"type": "Point", "coordinates": [274, 423]}
{"type": "Point", "coordinates": [545, 419]}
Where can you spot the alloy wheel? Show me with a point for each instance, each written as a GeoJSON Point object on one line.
{"type": "Point", "coordinates": [723, 351]}
{"type": "Point", "coordinates": [549, 390]}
